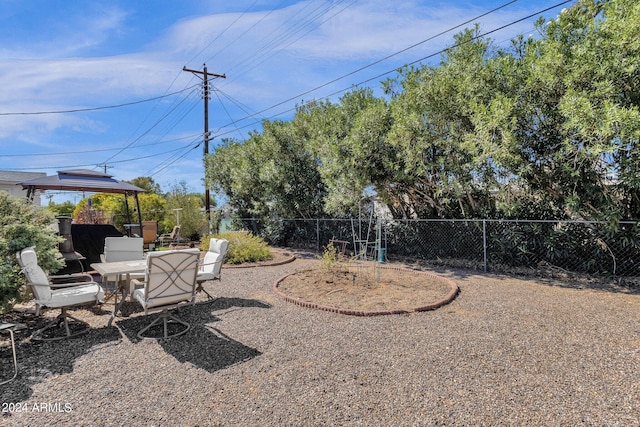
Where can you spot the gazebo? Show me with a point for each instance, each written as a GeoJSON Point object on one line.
{"type": "Point", "coordinates": [85, 180]}
{"type": "Point", "coordinates": [90, 239]}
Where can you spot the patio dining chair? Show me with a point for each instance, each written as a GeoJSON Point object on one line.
{"type": "Point", "coordinates": [124, 249]}
{"type": "Point", "coordinates": [170, 282]}
{"type": "Point", "coordinates": [77, 289]}
{"type": "Point", "coordinates": [211, 266]}
{"type": "Point", "coordinates": [8, 328]}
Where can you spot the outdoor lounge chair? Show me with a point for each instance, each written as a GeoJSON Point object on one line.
{"type": "Point", "coordinates": [170, 282]}
{"type": "Point", "coordinates": [211, 266]}
{"type": "Point", "coordinates": [77, 289]}
{"type": "Point", "coordinates": [173, 237]}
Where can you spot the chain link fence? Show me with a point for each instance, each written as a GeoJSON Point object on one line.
{"type": "Point", "coordinates": [488, 245]}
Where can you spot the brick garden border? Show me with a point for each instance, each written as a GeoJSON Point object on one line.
{"type": "Point", "coordinates": [453, 292]}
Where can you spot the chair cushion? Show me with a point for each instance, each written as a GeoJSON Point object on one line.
{"type": "Point", "coordinates": [218, 246]}
{"type": "Point", "coordinates": [140, 296]}
{"type": "Point", "coordinates": [203, 277]}
{"type": "Point", "coordinates": [35, 275]}
{"type": "Point", "coordinates": [211, 263]}
{"type": "Point", "coordinates": [74, 295]}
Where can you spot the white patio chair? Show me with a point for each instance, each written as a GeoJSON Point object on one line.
{"type": "Point", "coordinates": [124, 249]}
{"type": "Point", "coordinates": [78, 289]}
{"type": "Point", "coordinates": [170, 282]}
{"type": "Point", "coordinates": [211, 266]}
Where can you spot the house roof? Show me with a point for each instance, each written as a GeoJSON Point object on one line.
{"type": "Point", "coordinates": [17, 176]}
{"type": "Point", "coordinates": [81, 180]}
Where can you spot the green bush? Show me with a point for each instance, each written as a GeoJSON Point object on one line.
{"type": "Point", "coordinates": [22, 225]}
{"type": "Point", "coordinates": [331, 258]}
{"type": "Point", "coordinates": [243, 247]}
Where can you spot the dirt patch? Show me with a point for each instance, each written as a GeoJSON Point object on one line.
{"type": "Point", "coordinates": [367, 289]}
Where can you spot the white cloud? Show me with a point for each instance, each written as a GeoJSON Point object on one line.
{"type": "Point", "coordinates": [68, 32]}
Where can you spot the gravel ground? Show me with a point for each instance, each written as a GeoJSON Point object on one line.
{"type": "Point", "coordinates": [505, 352]}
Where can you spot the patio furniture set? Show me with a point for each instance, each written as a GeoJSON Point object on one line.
{"type": "Point", "coordinates": [159, 281]}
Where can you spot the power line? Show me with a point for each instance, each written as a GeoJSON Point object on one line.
{"type": "Point", "coordinates": [102, 164]}
{"type": "Point", "coordinates": [268, 50]}
{"type": "Point", "coordinates": [156, 105]}
{"type": "Point", "coordinates": [236, 20]}
{"type": "Point", "coordinates": [479, 36]}
{"type": "Point", "coordinates": [79, 110]}
{"type": "Point", "coordinates": [225, 110]}
{"type": "Point", "coordinates": [247, 30]}
{"type": "Point", "coordinates": [184, 114]}
{"type": "Point", "coordinates": [238, 104]}
{"type": "Point", "coordinates": [151, 128]}
{"type": "Point", "coordinates": [63, 153]}
{"type": "Point", "coordinates": [180, 72]}
{"type": "Point", "coordinates": [383, 59]}
{"type": "Point", "coordinates": [390, 71]}
{"type": "Point", "coordinates": [173, 159]}
{"type": "Point", "coordinates": [235, 122]}
{"type": "Point", "coordinates": [223, 32]}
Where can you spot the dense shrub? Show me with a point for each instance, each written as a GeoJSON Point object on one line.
{"type": "Point", "coordinates": [243, 247]}
{"type": "Point", "coordinates": [22, 225]}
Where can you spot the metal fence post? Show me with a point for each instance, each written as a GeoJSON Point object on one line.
{"type": "Point", "coordinates": [484, 243]}
{"type": "Point", "coordinates": [318, 235]}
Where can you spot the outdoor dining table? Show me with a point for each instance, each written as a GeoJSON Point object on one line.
{"type": "Point", "coordinates": [118, 269]}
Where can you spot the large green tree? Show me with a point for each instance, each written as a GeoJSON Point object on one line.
{"type": "Point", "coordinates": [112, 209]}
{"type": "Point", "coordinates": [61, 209]}
{"type": "Point", "coordinates": [571, 112]}
{"type": "Point", "coordinates": [443, 169]}
{"type": "Point", "coordinates": [185, 206]}
{"type": "Point", "coordinates": [272, 174]}
{"type": "Point", "coordinates": [545, 128]}
{"type": "Point", "coordinates": [349, 143]}
{"type": "Point", "coordinates": [147, 183]}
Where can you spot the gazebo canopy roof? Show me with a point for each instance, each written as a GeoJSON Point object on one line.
{"type": "Point", "coordinates": [81, 180]}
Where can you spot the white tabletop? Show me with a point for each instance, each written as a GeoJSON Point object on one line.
{"type": "Point", "coordinates": [119, 267]}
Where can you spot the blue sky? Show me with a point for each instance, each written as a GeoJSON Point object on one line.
{"type": "Point", "coordinates": [92, 83]}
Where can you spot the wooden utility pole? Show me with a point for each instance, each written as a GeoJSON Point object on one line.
{"type": "Point", "coordinates": [104, 165]}
{"type": "Point", "coordinates": [205, 85]}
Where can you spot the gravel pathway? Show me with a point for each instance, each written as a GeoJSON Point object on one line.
{"type": "Point", "coordinates": [504, 352]}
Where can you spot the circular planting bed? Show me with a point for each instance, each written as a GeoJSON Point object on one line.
{"type": "Point", "coordinates": [366, 290]}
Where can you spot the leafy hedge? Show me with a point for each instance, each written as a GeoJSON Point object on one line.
{"type": "Point", "coordinates": [243, 247]}
{"type": "Point", "coordinates": [22, 225]}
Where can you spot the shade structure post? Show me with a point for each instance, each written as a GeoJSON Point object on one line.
{"type": "Point", "coordinates": [126, 206]}
{"type": "Point", "coordinates": [31, 192]}
{"type": "Point", "coordinates": [135, 195]}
